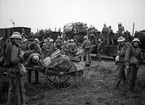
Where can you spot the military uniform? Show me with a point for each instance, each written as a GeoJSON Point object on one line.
{"type": "Point", "coordinates": [46, 48]}
{"type": "Point", "coordinates": [86, 51]}
{"type": "Point", "coordinates": [31, 63]}
{"type": "Point", "coordinates": [16, 92]}
{"type": "Point", "coordinates": [120, 29]}
{"type": "Point", "coordinates": [136, 57]}
{"type": "Point", "coordinates": [36, 49]}
{"type": "Point", "coordinates": [72, 48]}
{"type": "Point", "coordinates": [123, 53]}
{"type": "Point", "coordinates": [110, 37]}
{"type": "Point", "coordinates": [65, 48]}
{"type": "Point", "coordinates": [105, 34]}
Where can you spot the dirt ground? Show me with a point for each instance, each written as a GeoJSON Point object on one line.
{"type": "Point", "coordinates": [95, 87]}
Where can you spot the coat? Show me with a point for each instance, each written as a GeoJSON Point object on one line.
{"type": "Point", "coordinates": [123, 52]}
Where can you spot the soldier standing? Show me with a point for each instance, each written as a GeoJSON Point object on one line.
{"type": "Point", "coordinates": [86, 50]}
{"type": "Point", "coordinates": [72, 48]}
{"type": "Point", "coordinates": [110, 36]}
{"type": "Point", "coordinates": [100, 48]}
{"type": "Point", "coordinates": [105, 34]}
{"type": "Point", "coordinates": [123, 62]}
{"type": "Point", "coordinates": [120, 29]}
{"type": "Point", "coordinates": [136, 57]}
{"type": "Point", "coordinates": [65, 48]}
{"type": "Point", "coordinates": [16, 92]}
{"type": "Point", "coordinates": [45, 47]}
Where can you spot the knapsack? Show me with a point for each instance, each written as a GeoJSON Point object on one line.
{"type": "Point", "coordinates": [5, 59]}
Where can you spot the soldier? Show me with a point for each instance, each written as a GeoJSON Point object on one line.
{"type": "Point", "coordinates": [99, 48]}
{"type": "Point", "coordinates": [123, 60]}
{"type": "Point", "coordinates": [120, 29]}
{"type": "Point", "coordinates": [136, 57]}
{"type": "Point", "coordinates": [14, 60]}
{"type": "Point", "coordinates": [53, 47]}
{"type": "Point", "coordinates": [72, 48]}
{"type": "Point", "coordinates": [35, 47]}
{"type": "Point", "coordinates": [46, 47]}
{"type": "Point", "coordinates": [25, 46]}
{"type": "Point", "coordinates": [105, 34]}
{"type": "Point", "coordinates": [33, 60]}
{"type": "Point", "coordinates": [58, 42]}
{"type": "Point", "coordinates": [110, 36]}
{"type": "Point", "coordinates": [86, 50]}
{"type": "Point", "coordinates": [65, 48]}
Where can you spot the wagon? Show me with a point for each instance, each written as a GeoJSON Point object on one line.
{"type": "Point", "coordinates": [61, 72]}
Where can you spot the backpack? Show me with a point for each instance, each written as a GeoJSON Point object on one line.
{"type": "Point", "coordinates": [5, 59]}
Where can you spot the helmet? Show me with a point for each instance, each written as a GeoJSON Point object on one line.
{"type": "Point", "coordinates": [36, 39]}
{"type": "Point", "coordinates": [58, 36]}
{"type": "Point", "coordinates": [16, 35]}
{"type": "Point", "coordinates": [109, 26]}
{"type": "Point", "coordinates": [121, 39]}
{"type": "Point", "coordinates": [45, 40]}
{"type": "Point", "coordinates": [72, 40]}
{"type": "Point", "coordinates": [100, 39]}
{"type": "Point", "coordinates": [35, 59]}
{"type": "Point", "coordinates": [119, 23]}
{"type": "Point", "coordinates": [85, 37]}
{"type": "Point", "coordinates": [51, 40]}
{"type": "Point", "coordinates": [1, 38]}
{"type": "Point", "coordinates": [65, 42]}
{"type": "Point", "coordinates": [68, 40]}
{"type": "Point", "coordinates": [135, 40]}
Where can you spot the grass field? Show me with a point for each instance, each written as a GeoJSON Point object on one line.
{"type": "Point", "coordinates": [95, 87]}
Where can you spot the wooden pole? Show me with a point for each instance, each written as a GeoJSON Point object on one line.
{"type": "Point", "coordinates": [133, 29]}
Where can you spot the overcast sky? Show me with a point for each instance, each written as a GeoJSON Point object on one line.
{"type": "Point", "coordinates": [56, 13]}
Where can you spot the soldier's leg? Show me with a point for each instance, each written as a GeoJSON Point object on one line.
{"type": "Point", "coordinates": [29, 76]}
{"type": "Point", "coordinates": [11, 92]}
{"type": "Point", "coordinates": [36, 76]}
{"type": "Point", "coordinates": [24, 98]}
{"type": "Point", "coordinates": [121, 74]}
{"type": "Point", "coordinates": [129, 75]}
{"type": "Point", "coordinates": [108, 39]}
{"type": "Point", "coordinates": [134, 76]}
{"type": "Point", "coordinates": [112, 40]}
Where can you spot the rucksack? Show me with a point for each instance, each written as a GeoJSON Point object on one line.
{"type": "Point", "coordinates": [5, 59]}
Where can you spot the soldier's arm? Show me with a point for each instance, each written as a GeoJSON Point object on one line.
{"type": "Point", "coordinates": [127, 55]}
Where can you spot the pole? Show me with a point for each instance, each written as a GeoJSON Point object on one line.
{"type": "Point", "coordinates": [133, 29]}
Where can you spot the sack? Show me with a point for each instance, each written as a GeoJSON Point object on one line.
{"type": "Point", "coordinates": [134, 60]}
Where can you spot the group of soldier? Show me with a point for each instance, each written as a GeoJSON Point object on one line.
{"type": "Point", "coordinates": [128, 59]}
{"type": "Point", "coordinates": [108, 35]}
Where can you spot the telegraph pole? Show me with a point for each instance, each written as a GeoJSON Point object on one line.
{"type": "Point", "coordinates": [133, 29]}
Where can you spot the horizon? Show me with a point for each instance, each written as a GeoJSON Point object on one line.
{"type": "Point", "coordinates": [42, 14]}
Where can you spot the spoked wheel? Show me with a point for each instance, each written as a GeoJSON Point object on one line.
{"type": "Point", "coordinates": [61, 73]}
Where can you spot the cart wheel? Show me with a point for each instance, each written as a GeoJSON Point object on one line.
{"type": "Point", "coordinates": [61, 73]}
